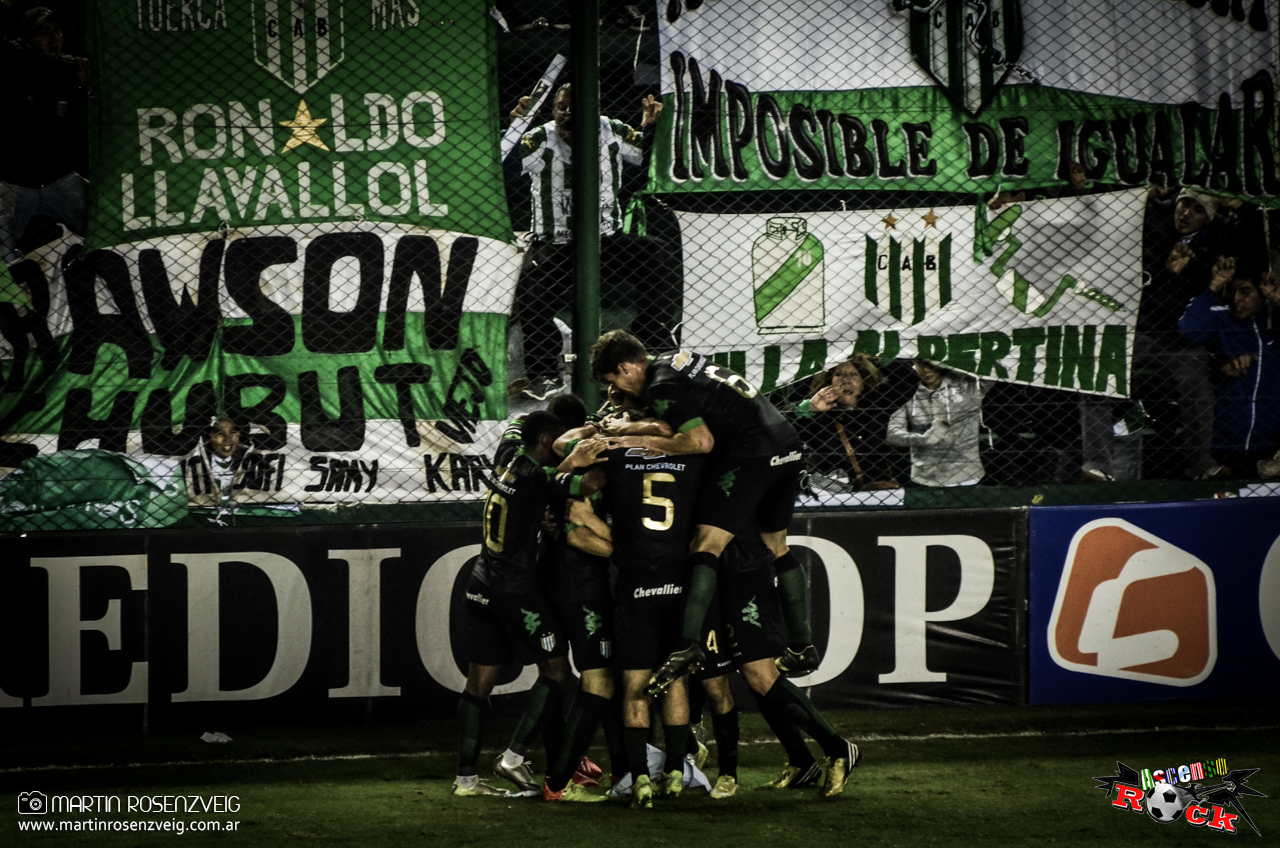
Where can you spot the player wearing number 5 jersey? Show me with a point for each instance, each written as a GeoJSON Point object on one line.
{"type": "Point", "coordinates": [507, 617]}
{"type": "Point", "coordinates": [651, 499]}
{"type": "Point", "coordinates": [753, 481]}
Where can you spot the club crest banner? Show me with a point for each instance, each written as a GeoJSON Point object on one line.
{"type": "Point", "coordinates": [952, 95]}
{"type": "Point", "coordinates": [778, 296]}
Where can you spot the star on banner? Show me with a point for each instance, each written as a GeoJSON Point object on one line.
{"type": "Point", "coordinates": [931, 220]}
{"type": "Point", "coordinates": [890, 222]}
{"type": "Point", "coordinates": [304, 129]}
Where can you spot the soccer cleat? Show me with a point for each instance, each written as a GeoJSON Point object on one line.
{"type": "Point", "coordinates": [589, 769]}
{"type": "Point", "coordinates": [477, 788]}
{"type": "Point", "coordinates": [642, 793]}
{"type": "Point", "coordinates": [571, 792]}
{"type": "Point", "coordinates": [726, 786]}
{"type": "Point", "coordinates": [794, 663]}
{"type": "Point", "coordinates": [672, 784]}
{"type": "Point", "coordinates": [794, 777]}
{"type": "Point", "coordinates": [520, 775]}
{"type": "Point", "coordinates": [700, 758]}
{"type": "Point", "coordinates": [690, 661]}
{"type": "Point", "coordinates": [838, 769]}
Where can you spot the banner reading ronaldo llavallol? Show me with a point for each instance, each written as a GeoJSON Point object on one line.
{"type": "Point", "coordinates": [297, 220]}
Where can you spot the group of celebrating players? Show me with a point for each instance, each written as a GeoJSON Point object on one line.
{"type": "Point", "coordinates": [697, 474]}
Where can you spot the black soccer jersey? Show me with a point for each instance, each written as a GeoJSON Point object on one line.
{"type": "Point", "coordinates": [519, 491]}
{"type": "Point", "coordinates": [652, 502]}
{"type": "Point", "coordinates": [686, 389]}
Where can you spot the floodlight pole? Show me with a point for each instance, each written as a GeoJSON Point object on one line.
{"type": "Point", "coordinates": [584, 48]}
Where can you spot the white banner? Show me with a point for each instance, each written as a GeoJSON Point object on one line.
{"type": "Point", "coordinates": [1118, 48]}
{"type": "Point", "coordinates": [781, 296]}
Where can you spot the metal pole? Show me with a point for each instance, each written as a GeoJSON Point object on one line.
{"type": "Point", "coordinates": [584, 49]}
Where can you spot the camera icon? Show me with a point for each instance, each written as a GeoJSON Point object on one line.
{"type": "Point", "coordinates": [33, 803]}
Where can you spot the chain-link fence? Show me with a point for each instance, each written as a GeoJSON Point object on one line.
{"type": "Point", "coordinates": [276, 260]}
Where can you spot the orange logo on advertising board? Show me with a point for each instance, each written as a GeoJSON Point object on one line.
{"type": "Point", "coordinates": [1133, 606]}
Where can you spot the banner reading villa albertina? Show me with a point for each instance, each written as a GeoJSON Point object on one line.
{"type": "Point", "coordinates": [777, 297]}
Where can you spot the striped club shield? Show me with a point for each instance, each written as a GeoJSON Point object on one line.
{"type": "Point", "coordinates": [298, 41]}
{"type": "Point", "coordinates": [968, 47]}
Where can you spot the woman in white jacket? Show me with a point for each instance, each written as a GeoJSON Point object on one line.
{"type": "Point", "coordinates": [940, 424]}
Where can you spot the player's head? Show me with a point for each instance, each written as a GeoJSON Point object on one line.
{"type": "Point", "coordinates": [539, 433]}
{"type": "Point", "coordinates": [619, 359]}
{"type": "Point", "coordinates": [569, 408]}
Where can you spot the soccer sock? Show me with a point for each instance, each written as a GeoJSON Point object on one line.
{"type": "Point", "coordinates": [792, 591]}
{"type": "Point", "coordinates": [788, 734]}
{"type": "Point", "coordinates": [636, 742]}
{"type": "Point", "coordinates": [800, 710]}
{"type": "Point", "coordinates": [674, 735]}
{"type": "Point", "coordinates": [697, 700]}
{"type": "Point", "coordinates": [470, 714]}
{"type": "Point", "coordinates": [611, 723]}
{"type": "Point", "coordinates": [544, 703]}
{"type": "Point", "coordinates": [580, 729]}
{"type": "Point", "coordinates": [725, 728]}
{"type": "Point", "coordinates": [702, 591]}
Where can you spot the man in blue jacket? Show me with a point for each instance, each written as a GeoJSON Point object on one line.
{"type": "Point", "coordinates": [1246, 424]}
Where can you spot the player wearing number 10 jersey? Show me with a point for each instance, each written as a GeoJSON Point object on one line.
{"type": "Point", "coordinates": [752, 484]}
{"type": "Point", "coordinates": [507, 616]}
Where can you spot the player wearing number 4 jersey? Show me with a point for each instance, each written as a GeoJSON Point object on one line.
{"type": "Point", "coordinates": [753, 480]}
{"type": "Point", "coordinates": [507, 616]}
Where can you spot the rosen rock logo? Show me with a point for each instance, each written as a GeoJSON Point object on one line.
{"type": "Point", "coordinates": [1133, 606]}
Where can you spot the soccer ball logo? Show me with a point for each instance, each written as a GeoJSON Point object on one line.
{"type": "Point", "coordinates": [1165, 802]}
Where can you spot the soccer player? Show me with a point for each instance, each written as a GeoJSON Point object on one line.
{"type": "Point", "coordinates": [751, 617]}
{"type": "Point", "coordinates": [507, 614]}
{"type": "Point", "coordinates": [650, 498]}
{"type": "Point", "coordinates": [578, 586]}
{"type": "Point", "coordinates": [753, 480]}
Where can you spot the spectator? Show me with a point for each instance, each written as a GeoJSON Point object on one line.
{"type": "Point", "coordinates": [216, 469]}
{"type": "Point", "coordinates": [1181, 240]}
{"type": "Point", "coordinates": [846, 442]}
{"type": "Point", "coordinates": [940, 424]}
{"type": "Point", "coordinates": [1246, 425]}
{"type": "Point", "coordinates": [45, 141]}
{"type": "Point", "coordinates": [547, 276]}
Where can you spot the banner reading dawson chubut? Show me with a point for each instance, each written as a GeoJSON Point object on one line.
{"type": "Point", "coordinates": [298, 219]}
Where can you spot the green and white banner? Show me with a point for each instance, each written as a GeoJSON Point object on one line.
{"type": "Point", "coordinates": [777, 297]}
{"type": "Point", "coordinates": [955, 95]}
{"type": "Point", "coordinates": [239, 113]}
{"type": "Point", "coordinates": [297, 220]}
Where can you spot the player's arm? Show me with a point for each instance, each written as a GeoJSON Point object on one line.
{"type": "Point", "coordinates": [589, 543]}
{"type": "Point", "coordinates": [644, 427]}
{"type": "Point", "coordinates": [695, 439]}
{"type": "Point", "coordinates": [586, 530]}
{"type": "Point", "coordinates": [564, 445]}
{"type": "Point", "coordinates": [584, 452]}
{"type": "Point", "coordinates": [580, 513]}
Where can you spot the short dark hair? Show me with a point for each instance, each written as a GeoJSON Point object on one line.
{"type": "Point", "coordinates": [538, 424]}
{"type": "Point", "coordinates": [614, 348]}
{"type": "Point", "coordinates": [569, 408]}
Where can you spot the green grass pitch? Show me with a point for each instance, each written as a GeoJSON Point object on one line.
{"type": "Point", "coordinates": [930, 776]}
